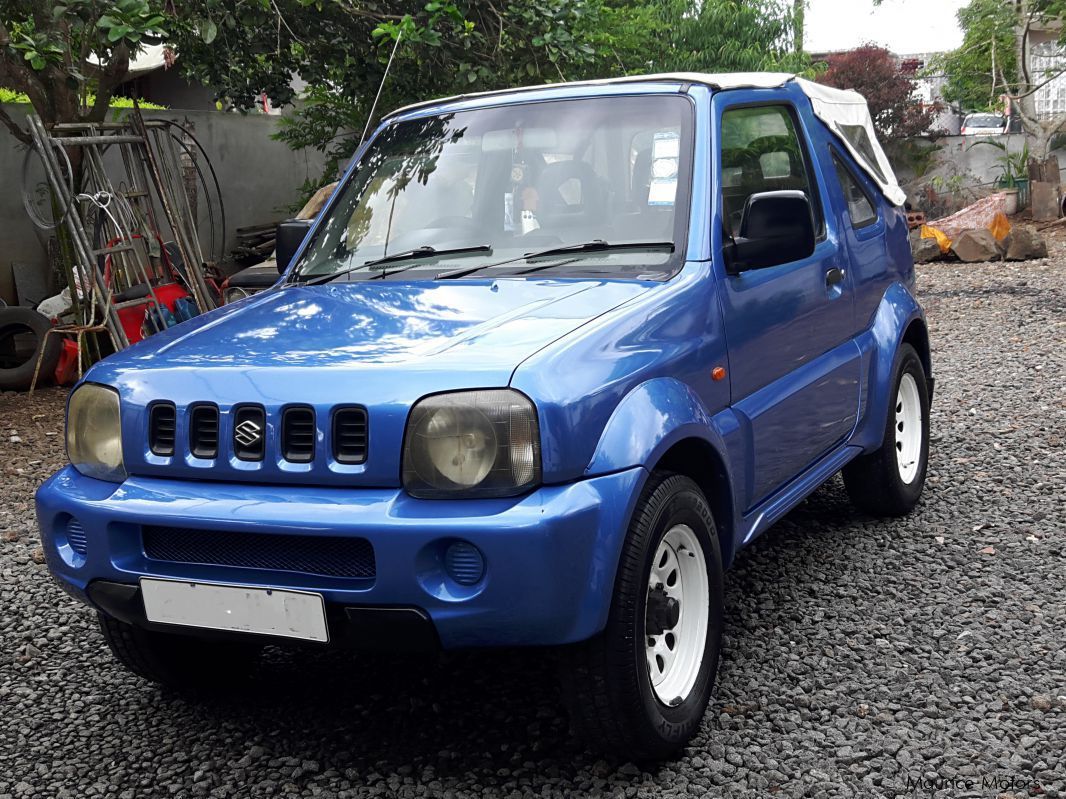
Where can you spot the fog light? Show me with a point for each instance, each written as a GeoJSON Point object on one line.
{"type": "Point", "coordinates": [71, 541]}
{"type": "Point", "coordinates": [464, 563]}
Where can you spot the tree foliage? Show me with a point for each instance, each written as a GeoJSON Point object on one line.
{"type": "Point", "coordinates": [889, 91]}
{"type": "Point", "coordinates": [340, 50]}
{"type": "Point", "coordinates": [975, 71]}
{"type": "Point", "coordinates": [68, 56]}
{"type": "Point", "coordinates": [58, 52]}
{"type": "Point", "coordinates": [728, 36]}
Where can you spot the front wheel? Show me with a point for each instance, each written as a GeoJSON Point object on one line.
{"type": "Point", "coordinates": [889, 481]}
{"type": "Point", "coordinates": [639, 689]}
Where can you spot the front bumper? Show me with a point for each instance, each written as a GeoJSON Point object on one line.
{"type": "Point", "coordinates": [549, 557]}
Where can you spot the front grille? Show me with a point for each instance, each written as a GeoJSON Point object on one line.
{"type": "Point", "coordinates": [203, 431]}
{"type": "Point", "coordinates": [349, 435]}
{"type": "Point", "coordinates": [162, 421]}
{"type": "Point", "coordinates": [298, 435]}
{"type": "Point", "coordinates": [253, 433]}
{"type": "Point", "coordinates": [329, 556]}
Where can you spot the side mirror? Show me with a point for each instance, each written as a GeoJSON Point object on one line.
{"type": "Point", "coordinates": [289, 236]}
{"type": "Point", "coordinates": [777, 228]}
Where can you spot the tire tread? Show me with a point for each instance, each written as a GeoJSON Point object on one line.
{"type": "Point", "coordinates": [604, 710]}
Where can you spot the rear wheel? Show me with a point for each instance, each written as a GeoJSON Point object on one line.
{"type": "Point", "coordinates": [178, 661]}
{"type": "Point", "coordinates": [640, 688]}
{"type": "Point", "coordinates": [889, 481]}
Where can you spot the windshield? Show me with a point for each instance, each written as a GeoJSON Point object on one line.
{"type": "Point", "coordinates": [983, 121]}
{"type": "Point", "coordinates": [490, 185]}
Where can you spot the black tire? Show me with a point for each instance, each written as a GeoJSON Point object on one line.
{"type": "Point", "coordinates": [873, 481]}
{"type": "Point", "coordinates": [606, 681]}
{"type": "Point", "coordinates": [178, 661]}
{"type": "Point", "coordinates": [18, 361]}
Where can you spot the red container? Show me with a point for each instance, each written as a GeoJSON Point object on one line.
{"type": "Point", "coordinates": [132, 313]}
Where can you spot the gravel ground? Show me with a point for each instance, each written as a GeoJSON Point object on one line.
{"type": "Point", "coordinates": [861, 655]}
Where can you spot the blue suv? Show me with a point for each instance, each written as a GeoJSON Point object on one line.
{"type": "Point", "coordinates": [545, 361]}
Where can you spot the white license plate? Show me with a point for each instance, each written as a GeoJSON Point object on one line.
{"type": "Point", "coordinates": [238, 608]}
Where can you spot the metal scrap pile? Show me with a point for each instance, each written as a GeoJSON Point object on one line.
{"type": "Point", "coordinates": [126, 202]}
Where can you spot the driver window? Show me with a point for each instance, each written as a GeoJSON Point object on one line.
{"type": "Point", "coordinates": [761, 151]}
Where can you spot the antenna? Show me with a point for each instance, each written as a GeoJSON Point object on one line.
{"type": "Point", "coordinates": [381, 86]}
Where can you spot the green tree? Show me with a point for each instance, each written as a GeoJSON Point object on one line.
{"type": "Point", "coordinates": [976, 70]}
{"type": "Point", "coordinates": [730, 35]}
{"type": "Point", "coordinates": [68, 57]}
{"type": "Point", "coordinates": [58, 51]}
{"type": "Point", "coordinates": [340, 50]}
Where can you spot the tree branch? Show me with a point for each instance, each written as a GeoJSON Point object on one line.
{"type": "Point", "coordinates": [17, 75]}
{"type": "Point", "coordinates": [19, 133]}
{"type": "Point", "coordinates": [111, 76]}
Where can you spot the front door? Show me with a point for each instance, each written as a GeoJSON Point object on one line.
{"type": "Point", "coordinates": [793, 363]}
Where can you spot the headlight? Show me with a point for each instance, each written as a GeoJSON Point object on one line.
{"type": "Point", "coordinates": [94, 433]}
{"type": "Point", "coordinates": [472, 444]}
{"type": "Point", "coordinates": [234, 293]}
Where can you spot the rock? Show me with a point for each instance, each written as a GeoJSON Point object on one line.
{"type": "Point", "coordinates": [974, 246]}
{"type": "Point", "coordinates": [38, 555]}
{"type": "Point", "coordinates": [1040, 703]}
{"type": "Point", "coordinates": [924, 250]}
{"type": "Point", "coordinates": [1025, 244]}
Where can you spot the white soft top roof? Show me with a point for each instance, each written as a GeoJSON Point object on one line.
{"type": "Point", "coordinates": [844, 112]}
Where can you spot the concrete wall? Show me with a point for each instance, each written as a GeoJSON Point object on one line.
{"type": "Point", "coordinates": [956, 166]}
{"type": "Point", "coordinates": [260, 179]}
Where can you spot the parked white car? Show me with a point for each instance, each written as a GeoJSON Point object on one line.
{"type": "Point", "coordinates": [984, 125]}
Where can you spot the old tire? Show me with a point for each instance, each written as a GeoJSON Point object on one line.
{"type": "Point", "coordinates": [889, 481]}
{"type": "Point", "coordinates": [178, 661]}
{"type": "Point", "coordinates": [23, 335]}
{"type": "Point", "coordinates": [622, 696]}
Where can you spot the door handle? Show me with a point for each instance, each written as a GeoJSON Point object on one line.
{"type": "Point", "coordinates": [834, 277]}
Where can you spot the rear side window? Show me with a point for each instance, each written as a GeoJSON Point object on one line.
{"type": "Point", "coordinates": [860, 207]}
{"type": "Point", "coordinates": [761, 151]}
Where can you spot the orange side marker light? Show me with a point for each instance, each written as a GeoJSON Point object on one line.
{"type": "Point", "coordinates": [718, 373]}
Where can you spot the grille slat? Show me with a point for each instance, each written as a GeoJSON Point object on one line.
{"type": "Point", "coordinates": [203, 431]}
{"type": "Point", "coordinates": [298, 435]}
{"type": "Point", "coordinates": [162, 427]}
{"type": "Point", "coordinates": [76, 537]}
{"type": "Point", "coordinates": [350, 435]}
{"type": "Point", "coordinates": [328, 556]}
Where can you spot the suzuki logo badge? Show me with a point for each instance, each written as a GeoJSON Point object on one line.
{"type": "Point", "coordinates": [248, 433]}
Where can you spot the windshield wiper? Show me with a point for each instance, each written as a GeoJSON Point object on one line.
{"type": "Point", "coordinates": [596, 245]}
{"type": "Point", "coordinates": [418, 252]}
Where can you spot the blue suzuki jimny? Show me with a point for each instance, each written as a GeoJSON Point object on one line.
{"type": "Point", "coordinates": [544, 362]}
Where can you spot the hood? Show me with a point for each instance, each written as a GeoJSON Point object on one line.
{"type": "Point", "coordinates": [381, 345]}
{"type": "Point", "coordinates": [487, 327]}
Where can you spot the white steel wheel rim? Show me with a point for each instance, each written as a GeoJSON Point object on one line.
{"type": "Point", "coordinates": [908, 428]}
{"type": "Point", "coordinates": [674, 655]}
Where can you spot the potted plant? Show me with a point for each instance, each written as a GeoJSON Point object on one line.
{"type": "Point", "coordinates": [1014, 174]}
